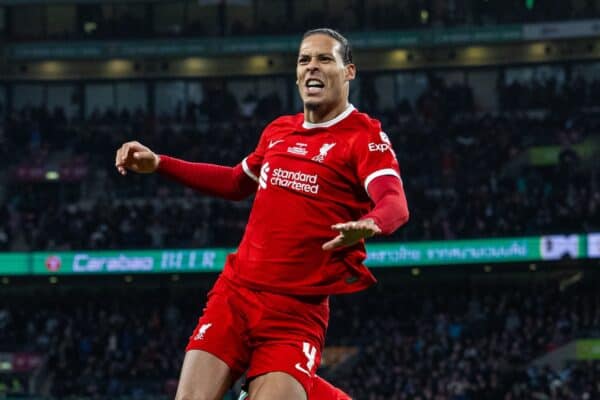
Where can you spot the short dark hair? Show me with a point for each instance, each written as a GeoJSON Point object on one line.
{"type": "Point", "coordinates": [345, 50]}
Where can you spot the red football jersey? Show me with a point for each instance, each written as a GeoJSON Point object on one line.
{"type": "Point", "coordinates": [310, 176]}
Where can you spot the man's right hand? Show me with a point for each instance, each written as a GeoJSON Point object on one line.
{"type": "Point", "coordinates": [136, 157]}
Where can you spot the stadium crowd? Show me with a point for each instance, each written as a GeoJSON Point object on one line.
{"type": "Point", "coordinates": [468, 345]}
{"type": "Point", "coordinates": [450, 343]}
{"type": "Point", "coordinates": [466, 173]}
{"type": "Point", "coordinates": [100, 347]}
{"type": "Point", "coordinates": [549, 93]}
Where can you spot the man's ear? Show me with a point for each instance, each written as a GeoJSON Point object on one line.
{"type": "Point", "coordinates": [350, 72]}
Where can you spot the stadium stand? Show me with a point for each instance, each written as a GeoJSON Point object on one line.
{"type": "Point", "coordinates": [422, 340]}
{"type": "Point", "coordinates": [475, 344]}
{"type": "Point", "coordinates": [263, 17]}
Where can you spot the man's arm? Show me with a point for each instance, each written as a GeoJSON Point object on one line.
{"type": "Point", "coordinates": [390, 213]}
{"type": "Point", "coordinates": [391, 209]}
{"type": "Point", "coordinates": [230, 183]}
{"type": "Point", "coordinates": [227, 182]}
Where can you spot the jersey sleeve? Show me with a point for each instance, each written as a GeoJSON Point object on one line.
{"type": "Point", "coordinates": [251, 164]}
{"type": "Point", "coordinates": [374, 157]}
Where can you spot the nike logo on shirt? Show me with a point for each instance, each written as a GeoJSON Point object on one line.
{"type": "Point", "coordinates": [274, 142]}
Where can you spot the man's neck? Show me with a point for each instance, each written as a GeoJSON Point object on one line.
{"type": "Point", "coordinates": [318, 115]}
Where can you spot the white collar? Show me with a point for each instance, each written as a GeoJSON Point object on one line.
{"type": "Point", "coordinates": [327, 124]}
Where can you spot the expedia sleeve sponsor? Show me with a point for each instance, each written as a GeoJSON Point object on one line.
{"type": "Point", "coordinates": [379, 147]}
{"type": "Point", "coordinates": [295, 180]}
{"type": "Point", "coordinates": [373, 156]}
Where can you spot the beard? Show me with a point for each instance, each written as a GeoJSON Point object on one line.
{"type": "Point", "coordinates": [311, 105]}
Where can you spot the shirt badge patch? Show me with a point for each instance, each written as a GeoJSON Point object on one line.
{"type": "Point", "coordinates": [299, 149]}
{"type": "Point", "coordinates": [323, 152]}
{"type": "Point", "coordinates": [384, 138]}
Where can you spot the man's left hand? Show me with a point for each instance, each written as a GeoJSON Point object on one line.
{"type": "Point", "coordinates": [352, 232]}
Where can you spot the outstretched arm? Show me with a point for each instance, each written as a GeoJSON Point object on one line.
{"type": "Point", "coordinates": [391, 209]}
{"type": "Point", "coordinates": [390, 212]}
{"type": "Point", "coordinates": [230, 183]}
{"type": "Point", "coordinates": [226, 182]}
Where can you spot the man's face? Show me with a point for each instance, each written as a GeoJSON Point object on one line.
{"type": "Point", "coordinates": [322, 77]}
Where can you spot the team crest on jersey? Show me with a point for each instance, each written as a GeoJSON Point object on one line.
{"type": "Point", "coordinates": [323, 152]}
{"type": "Point", "coordinates": [202, 331]}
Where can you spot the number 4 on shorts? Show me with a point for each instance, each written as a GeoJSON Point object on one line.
{"type": "Point", "coordinates": [310, 352]}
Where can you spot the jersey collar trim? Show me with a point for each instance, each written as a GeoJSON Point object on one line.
{"type": "Point", "coordinates": [331, 122]}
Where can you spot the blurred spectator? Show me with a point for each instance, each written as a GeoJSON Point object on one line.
{"type": "Point", "coordinates": [475, 345]}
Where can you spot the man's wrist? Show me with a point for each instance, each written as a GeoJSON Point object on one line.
{"type": "Point", "coordinates": [374, 222]}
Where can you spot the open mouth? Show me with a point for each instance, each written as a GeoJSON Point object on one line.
{"type": "Point", "coordinates": [314, 86]}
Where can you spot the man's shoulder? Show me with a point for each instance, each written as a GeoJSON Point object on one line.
{"type": "Point", "coordinates": [285, 121]}
{"type": "Point", "coordinates": [359, 129]}
{"type": "Point", "coordinates": [363, 122]}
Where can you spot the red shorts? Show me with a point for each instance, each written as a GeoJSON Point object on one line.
{"type": "Point", "coordinates": [259, 332]}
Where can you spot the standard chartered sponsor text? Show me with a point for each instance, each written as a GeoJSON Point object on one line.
{"type": "Point", "coordinates": [121, 263]}
{"type": "Point", "coordinates": [295, 180]}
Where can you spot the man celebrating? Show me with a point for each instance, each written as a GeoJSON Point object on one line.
{"type": "Point", "coordinates": [325, 180]}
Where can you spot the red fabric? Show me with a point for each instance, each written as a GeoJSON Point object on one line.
{"type": "Point", "coordinates": [260, 332]}
{"type": "Point", "coordinates": [310, 178]}
{"type": "Point", "coordinates": [216, 180]}
{"type": "Point", "coordinates": [391, 209]}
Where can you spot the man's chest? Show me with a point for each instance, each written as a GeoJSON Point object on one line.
{"type": "Point", "coordinates": [309, 164]}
